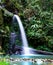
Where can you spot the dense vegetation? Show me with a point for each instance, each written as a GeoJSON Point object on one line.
{"type": "Point", "coordinates": [37, 18]}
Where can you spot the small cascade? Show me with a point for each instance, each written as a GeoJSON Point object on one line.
{"type": "Point", "coordinates": [12, 39]}
{"type": "Point", "coordinates": [0, 0]}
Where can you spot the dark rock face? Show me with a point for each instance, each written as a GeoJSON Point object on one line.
{"type": "Point", "coordinates": [15, 50]}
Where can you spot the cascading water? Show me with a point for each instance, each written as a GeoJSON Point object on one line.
{"type": "Point", "coordinates": [0, 0]}
{"type": "Point", "coordinates": [12, 39]}
{"type": "Point", "coordinates": [26, 51]}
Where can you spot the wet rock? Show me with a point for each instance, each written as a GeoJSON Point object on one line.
{"type": "Point", "coordinates": [15, 50]}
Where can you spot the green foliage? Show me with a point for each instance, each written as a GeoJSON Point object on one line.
{"type": "Point", "coordinates": [3, 63]}
{"type": "Point", "coordinates": [37, 18]}
{"type": "Point", "coordinates": [40, 24]}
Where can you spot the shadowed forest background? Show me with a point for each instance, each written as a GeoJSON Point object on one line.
{"type": "Point", "coordinates": [37, 19]}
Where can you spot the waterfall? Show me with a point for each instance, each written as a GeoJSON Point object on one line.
{"type": "Point", "coordinates": [17, 19]}
{"type": "Point", "coordinates": [12, 39]}
{"type": "Point", "coordinates": [0, 0]}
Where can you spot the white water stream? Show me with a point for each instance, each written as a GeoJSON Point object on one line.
{"type": "Point", "coordinates": [17, 19]}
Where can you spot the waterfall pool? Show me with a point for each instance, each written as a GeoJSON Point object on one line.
{"type": "Point", "coordinates": [29, 60]}
{"type": "Point", "coordinates": [32, 60]}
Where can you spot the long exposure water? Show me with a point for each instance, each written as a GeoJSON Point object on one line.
{"type": "Point", "coordinates": [17, 19]}
{"type": "Point", "coordinates": [28, 57]}
{"type": "Point", "coordinates": [27, 60]}
{"type": "Point", "coordinates": [0, 0]}
{"type": "Point", "coordinates": [30, 61]}
{"type": "Point", "coordinates": [12, 39]}
{"type": "Point", "coordinates": [27, 52]}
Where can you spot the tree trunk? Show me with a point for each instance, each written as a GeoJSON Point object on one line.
{"type": "Point", "coordinates": [1, 27]}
